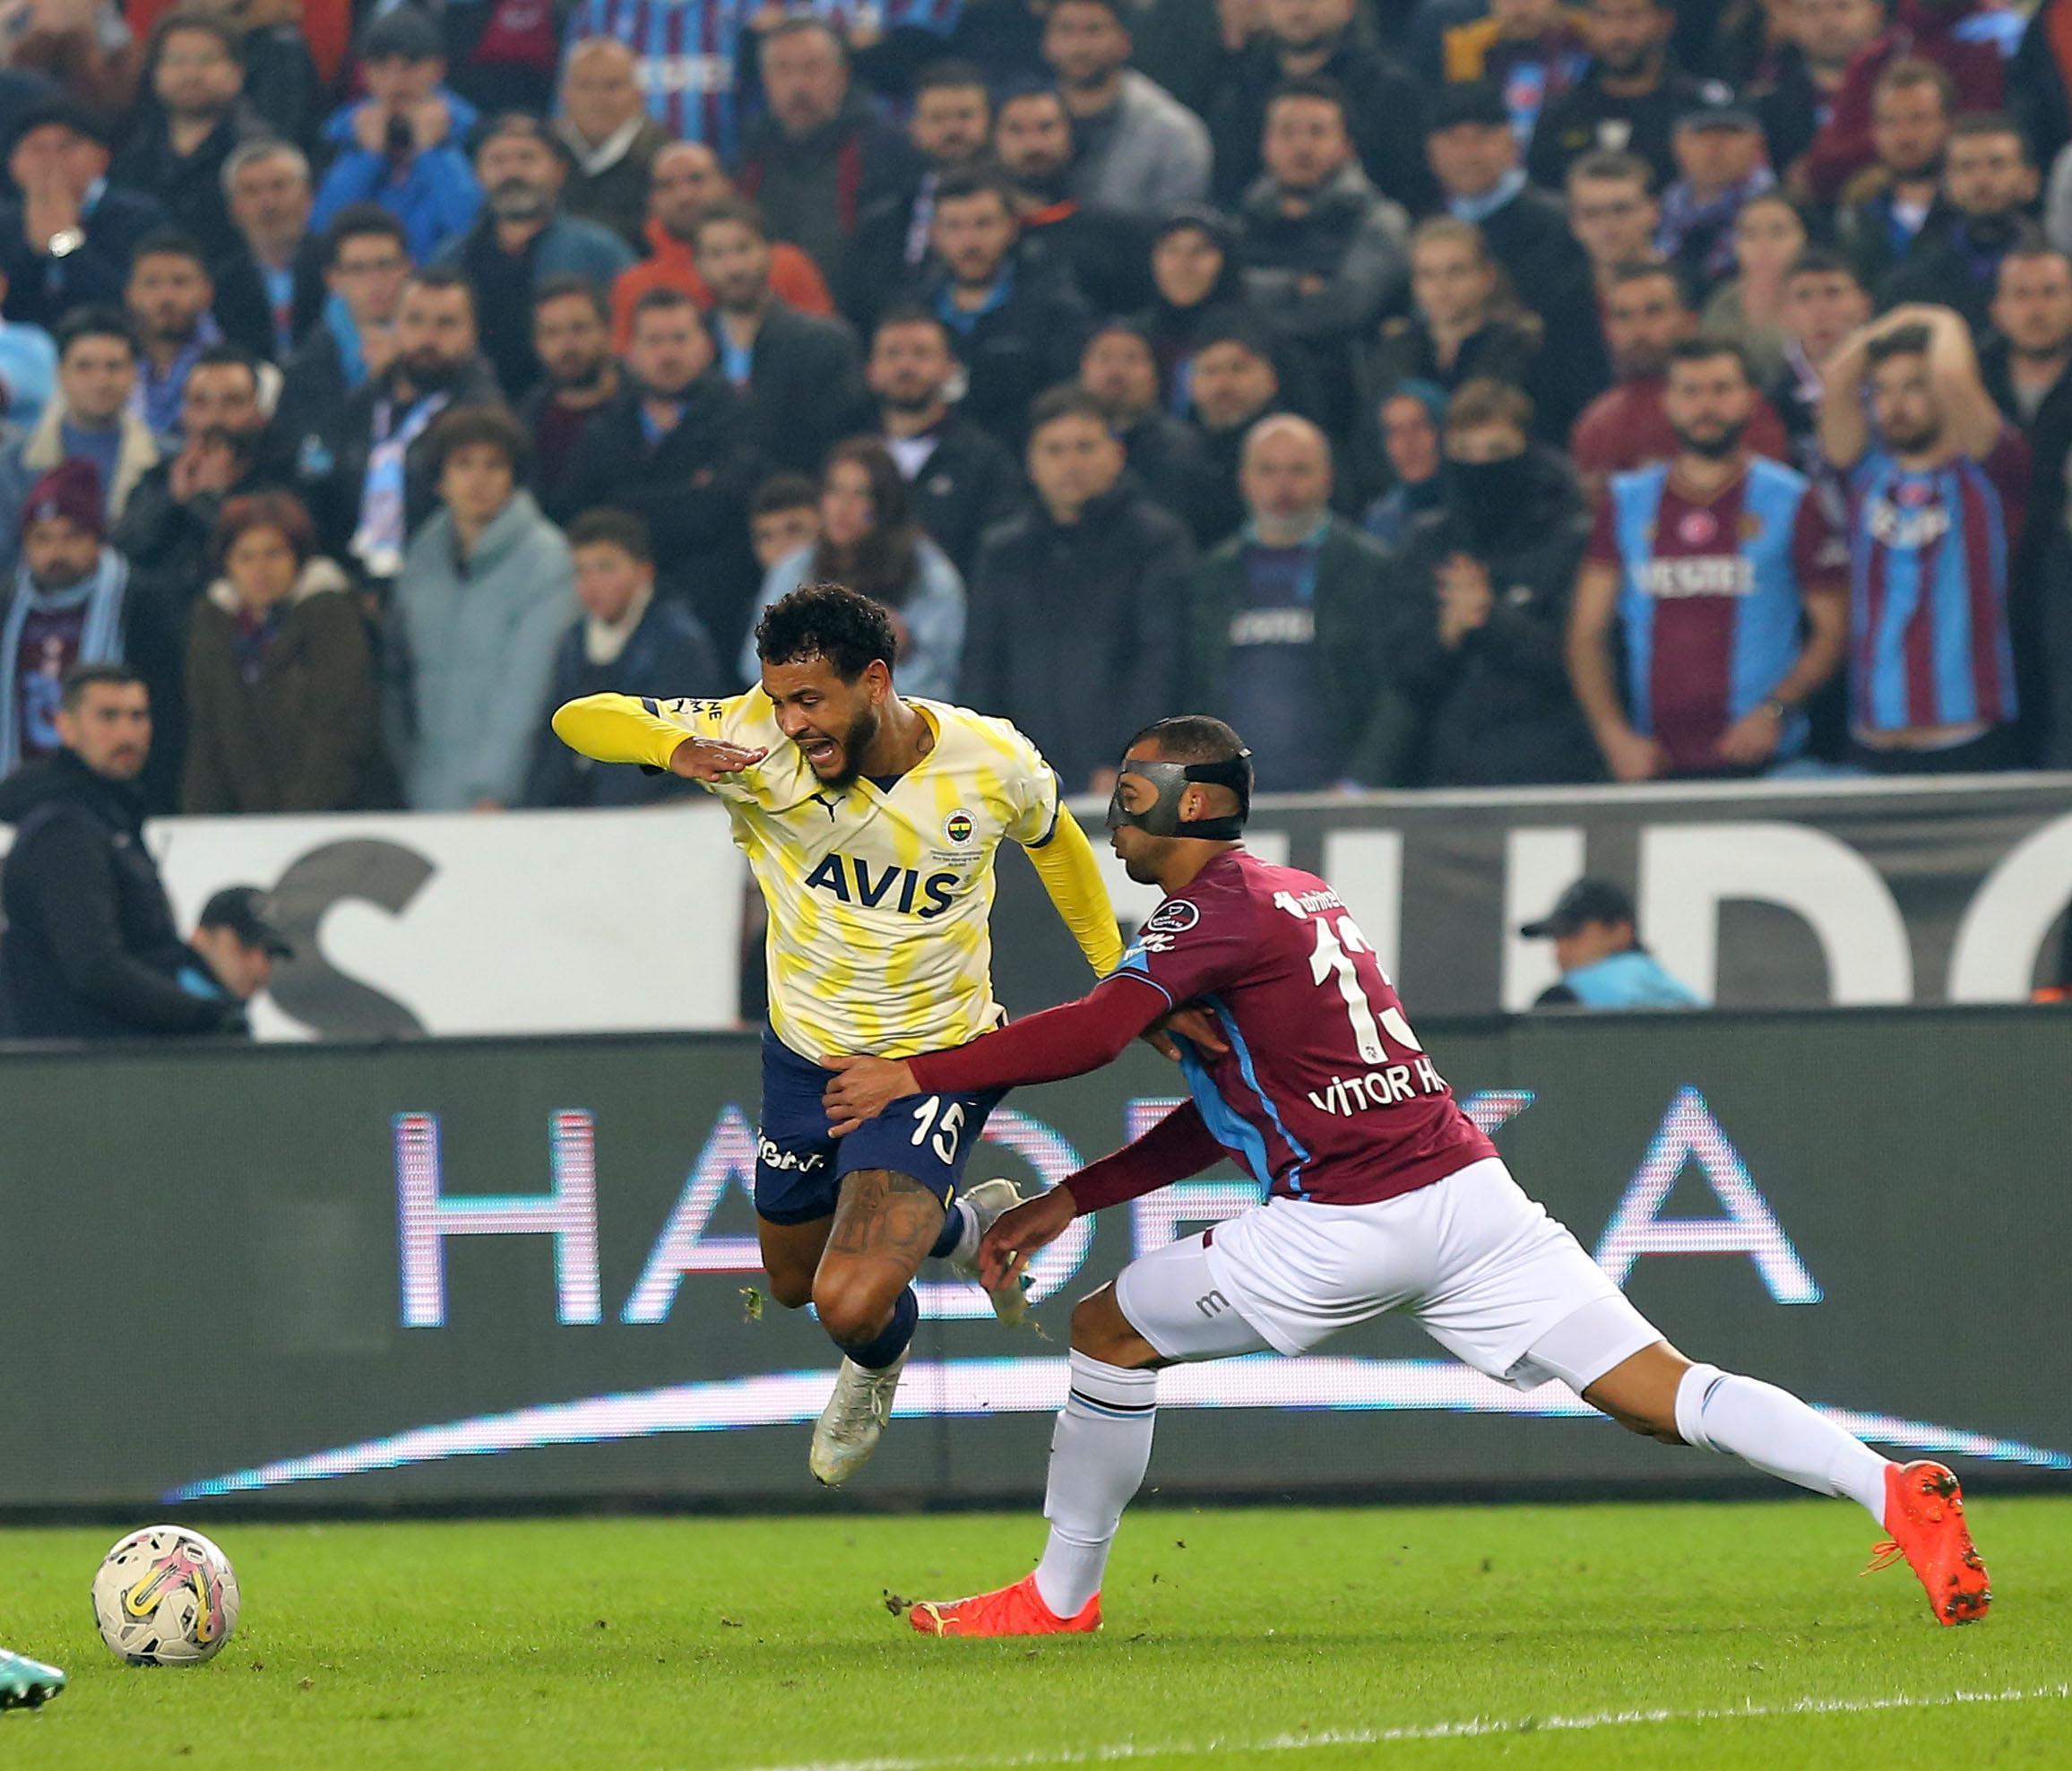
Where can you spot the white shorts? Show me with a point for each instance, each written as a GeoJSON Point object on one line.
{"type": "Point", "coordinates": [1483, 1269]}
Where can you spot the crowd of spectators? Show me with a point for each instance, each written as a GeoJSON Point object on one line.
{"type": "Point", "coordinates": [1445, 393]}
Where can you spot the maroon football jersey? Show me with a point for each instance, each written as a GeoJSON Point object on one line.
{"type": "Point", "coordinates": [1325, 1092]}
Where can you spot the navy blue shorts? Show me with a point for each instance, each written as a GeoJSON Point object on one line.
{"type": "Point", "coordinates": [800, 1168]}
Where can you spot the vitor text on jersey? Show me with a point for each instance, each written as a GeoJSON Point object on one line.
{"type": "Point", "coordinates": [1348, 1095]}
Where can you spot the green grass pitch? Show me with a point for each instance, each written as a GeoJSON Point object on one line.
{"type": "Point", "coordinates": [1715, 1636]}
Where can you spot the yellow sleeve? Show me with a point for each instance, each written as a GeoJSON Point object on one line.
{"type": "Point", "coordinates": [635, 729]}
{"type": "Point", "coordinates": [1072, 876]}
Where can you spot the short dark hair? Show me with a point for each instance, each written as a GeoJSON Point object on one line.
{"type": "Point", "coordinates": [172, 243]}
{"type": "Point", "coordinates": [1645, 270]}
{"type": "Point", "coordinates": [739, 211]}
{"type": "Point", "coordinates": [444, 277]}
{"type": "Point", "coordinates": [1974, 124]}
{"type": "Point", "coordinates": [205, 24]}
{"type": "Point", "coordinates": [1067, 400]}
{"type": "Point", "coordinates": [796, 24]}
{"type": "Point", "coordinates": [567, 283]}
{"type": "Point", "coordinates": [1191, 737]}
{"type": "Point", "coordinates": [961, 187]}
{"type": "Point", "coordinates": [1117, 9]}
{"type": "Point", "coordinates": [948, 75]}
{"type": "Point", "coordinates": [605, 526]}
{"type": "Point", "coordinates": [1915, 71]}
{"type": "Point", "coordinates": [829, 621]}
{"type": "Point", "coordinates": [1483, 399]}
{"type": "Point", "coordinates": [1607, 165]}
{"type": "Point", "coordinates": [281, 511]}
{"type": "Point", "coordinates": [1320, 87]}
{"type": "Point", "coordinates": [1909, 340]}
{"type": "Point", "coordinates": [1709, 347]}
{"type": "Point", "coordinates": [225, 354]}
{"type": "Point", "coordinates": [464, 426]}
{"type": "Point", "coordinates": [911, 313]}
{"type": "Point", "coordinates": [96, 322]}
{"type": "Point", "coordinates": [1824, 261]}
{"type": "Point", "coordinates": [359, 221]}
{"type": "Point", "coordinates": [783, 491]}
{"type": "Point", "coordinates": [83, 676]}
{"type": "Point", "coordinates": [517, 123]}
{"type": "Point", "coordinates": [661, 298]}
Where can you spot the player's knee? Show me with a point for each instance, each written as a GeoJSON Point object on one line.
{"type": "Point", "coordinates": [791, 1291]}
{"type": "Point", "coordinates": [853, 1309]}
{"type": "Point", "coordinates": [1100, 1331]}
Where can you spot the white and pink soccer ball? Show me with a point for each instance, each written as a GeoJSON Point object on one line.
{"type": "Point", "coordinates": [165, 1596]}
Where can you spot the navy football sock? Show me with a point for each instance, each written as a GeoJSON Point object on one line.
{"type": "Point", "coordinates": [876, 1354]}
{"type": "Point", "coordinates": [955, 1220]}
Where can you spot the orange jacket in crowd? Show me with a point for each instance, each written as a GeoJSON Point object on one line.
{"type": "Point", "coordinates": [794, 277]}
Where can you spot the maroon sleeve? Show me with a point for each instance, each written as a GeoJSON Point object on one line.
{"type": "Point", "coordinates": [1177, 1146]}
{"type": "Point", "coordinates": [2007, 465]}
{"type": "Point", "coordinates": [1767, 436]}
{"type": "Point", "coordinates": [1603, 549]}
{"type": "Point", "coordinates": [1818, 559]}
{"type": "Point", "coordinates": [1067, 1040]}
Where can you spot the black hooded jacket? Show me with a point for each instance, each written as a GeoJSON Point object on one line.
{"type": "Point", "coordinates": [1497, 710]}
{"type": "Point", "coordinates": [90, 950]}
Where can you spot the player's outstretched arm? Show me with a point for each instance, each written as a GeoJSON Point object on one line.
{"type": "Point", "coordinates": [1071, 874]}
{"type": "Point", "coordinates": [1067, 1040]}
{"type": "Point", "coordinates": [662, 735]}
{"type": "Point", "coordinates": [1178, 1145]}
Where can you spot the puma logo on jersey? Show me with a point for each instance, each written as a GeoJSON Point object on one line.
{"type": "Point", "coordinates": [897, 888]}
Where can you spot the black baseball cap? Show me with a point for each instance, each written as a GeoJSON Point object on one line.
{"type": "Point", "coordinates": [1586, 901]}
{"type": "Point", "coordinates": [1474, 101]}
{"type": "Point", "coordinates": [405, 31]}
{"type": "Point", "coordinates": [67, 113]}
{"type": "Point", "coordinates": [243, 911]}
{"type": "Point", "coordinates": [1720, 110]}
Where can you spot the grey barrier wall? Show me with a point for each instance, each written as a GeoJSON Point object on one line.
{"type": "Point", "coordinates": [473, 1272]}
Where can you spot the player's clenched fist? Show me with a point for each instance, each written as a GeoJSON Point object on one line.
{"type": "Point", "coordinates": [1018, 1236]}
{"type": "Point", "coordinates": [709, 758]}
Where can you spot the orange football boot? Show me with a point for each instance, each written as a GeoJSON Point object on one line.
{"type": "Point", "coordinates": [1013, 1611]}
{"type": "Point", "coordinates": [1924, 1511]}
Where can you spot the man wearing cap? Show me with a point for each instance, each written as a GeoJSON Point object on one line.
{"type": "Point", "coordinates": [69, 237]}
{"type": "Point", "coordinates": [92, 951]}
{"type": "Point", "coordinates": [521, 238]}
{"type": "Point", "coordinates": [401, 145]}
{"type": "Point", "coordinates": [1475, 156]}
{"type": "Point", "coordinates": [1629, 99]}
{"type": "Point", "coordinates": [231, 953]}
{"type": "Point", "coordinates": [71, 603]}
{"type": "Point", "coordinates": [1721, 161]}
{"type": "Point", "coordinates": [1603, 965]}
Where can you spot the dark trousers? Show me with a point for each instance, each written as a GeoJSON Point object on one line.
{"type": "Point", "coordinates": [1991, 752]}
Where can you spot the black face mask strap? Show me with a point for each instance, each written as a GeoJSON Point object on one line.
{"type": "Point", "coordinates": [1161, 817]}
{"type": "Point", "coordinates": [1234, 773]}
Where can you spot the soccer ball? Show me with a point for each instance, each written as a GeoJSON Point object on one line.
{"type": "Point", "coordinates": [165, 1596]}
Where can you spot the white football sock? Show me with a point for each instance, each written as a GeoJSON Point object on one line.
{"type": "Point", "coordinates": [1780, 1434]}
{"type": "Point", "coordinates": [1097, 1457]}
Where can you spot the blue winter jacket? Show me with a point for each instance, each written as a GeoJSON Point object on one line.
{"type": "Point", "coordinates": [436, 197]}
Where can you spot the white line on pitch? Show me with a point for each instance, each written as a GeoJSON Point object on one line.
{"type": "Point", "coordinates": [1435, 1730]}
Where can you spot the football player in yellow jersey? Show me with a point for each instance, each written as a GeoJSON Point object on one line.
{"type": "Point", "coordinates": [870, 822]}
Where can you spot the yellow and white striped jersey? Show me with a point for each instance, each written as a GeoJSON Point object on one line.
{"type": "Point", "coordinates": [879, 898]}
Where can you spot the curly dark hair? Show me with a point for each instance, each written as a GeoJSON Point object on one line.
{"type": "Point", "coordinates": [829, 621]}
